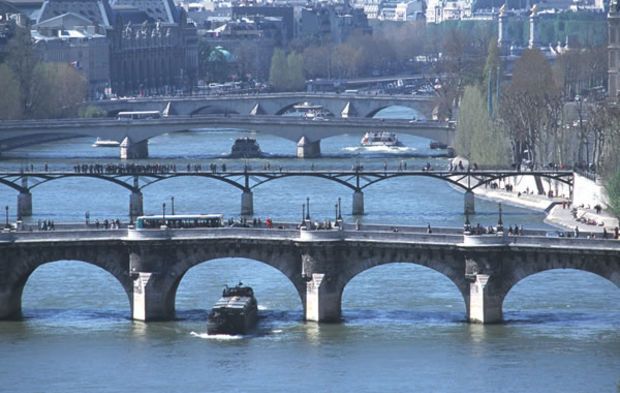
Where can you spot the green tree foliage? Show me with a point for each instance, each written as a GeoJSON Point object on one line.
{"type": "Point", "coordinates": [90, 112]}
{"type": "Point", "coordinates": [287, 72]}
{"type": "Point", "coordinates": [11, 102]}
{"type": "Point", "coordinates": [295, 71]}
{"type": "Point", "coordinates": [277, 72]}
{"type": "Point", "coordinates": [612, 187]}
{"type": "Point", "coordinates": [478, 138]}
{"type": "Point", "coordinates": [472, 113]}
{"type": "Point", "coordinates": [57, 90]}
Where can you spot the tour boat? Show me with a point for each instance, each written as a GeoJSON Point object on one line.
{"type": "Point", "coordinates": [106, 143]}
{"type": "Point", "coordinates": [235, 313]}
{"type": "Point", "coordinates": [380, 138]}
{"type": "Point", "coordinates": [245, 148]}
{"type": "Point", "coordinates": [438, 145]}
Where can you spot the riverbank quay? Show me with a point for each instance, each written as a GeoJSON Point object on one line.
{"type": "Point", "coordinates": [579, 212]}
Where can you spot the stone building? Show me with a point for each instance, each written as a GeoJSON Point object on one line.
{"type": "Point", "coordinates": [142, 46]}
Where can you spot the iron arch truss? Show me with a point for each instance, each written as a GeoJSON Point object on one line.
{"type": "Point", "coordinates": [355, 179]}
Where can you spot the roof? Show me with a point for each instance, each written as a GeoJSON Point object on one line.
{"type": "Point", "coordinates": [98, 11]}
{"type": "Point", "coordinates": [158, 10]}
{"type": "Point", "coordinates": [66, 21]}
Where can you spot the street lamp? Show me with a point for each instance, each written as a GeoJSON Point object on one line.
{"type": "Point", "coordinates": [467, 226]}
{"type": "Point", "coordinates": [336, 210]}
{"type": "Point", "coordinates": [6, 208]}
{"type": "Point", "coordinates": [339, 208]}
{"type": "Point", "coordinates": [308, 210]}
{"type": "Point", "coordinates": [303, 211]}
{"type": "Point", "coordinates": [163, 208]}
{"type": "Point", "coordinates": [500, 224]}
{"type": "Point", "coordinates": [172, 205]}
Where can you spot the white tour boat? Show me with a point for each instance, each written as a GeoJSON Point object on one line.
{"type": "Point", "coordinates": [380, 138]}
{"type": "Point", "coordinates": [106, 143]}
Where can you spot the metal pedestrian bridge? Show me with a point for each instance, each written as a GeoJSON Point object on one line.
{"type": "Point", "coordinates": [135, 178]}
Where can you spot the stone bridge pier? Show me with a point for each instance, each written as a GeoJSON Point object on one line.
{"type": "Point", "coordinates": [133, 150]}
{"type": "Point", "coordinates": [308, 149]}
{"type": "Point", "coordinates": [155, 281]}
{"type": "Point", "coordinates": [320, 269]}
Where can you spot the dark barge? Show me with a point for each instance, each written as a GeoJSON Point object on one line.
{"type": "Point", "coordinates": [235, 313]}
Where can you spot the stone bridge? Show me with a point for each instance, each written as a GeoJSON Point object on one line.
{"type": "Point", "coordinates": [133, 135]}
{"type": "Point", "coordinates": [340, 105]}
{"type": "Point", "coordinates": [320, 263]}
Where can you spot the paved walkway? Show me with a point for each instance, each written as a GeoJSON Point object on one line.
{"type": "Point", "coordinates": [566, 217]}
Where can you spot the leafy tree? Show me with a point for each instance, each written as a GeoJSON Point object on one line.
{"type": "Point", "coordinates": [57, 90]}
{"type": "Point", "coordinates": [613, 193]}
{"type": "Point", "coordinates": [91, 111]}
{"type": "Point", "coordinates": [22, 59]}
{"type": "Point", "coordinates": [295, 71]}
{"type": "Point", "coordinates": [479, 138]}
{"type": "Point", "coordinates": [11, 103]}
{"type": "Point", "coordinates": [277, 71]}
{"type": "Point", "coordinates": [286, 72]}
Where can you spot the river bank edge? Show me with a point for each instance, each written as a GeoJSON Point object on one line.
{"type": "Point", "coordinates": [560, 211]}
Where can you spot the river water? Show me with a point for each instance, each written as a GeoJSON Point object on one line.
{"type": "Point", "coordinates": [404, 325]}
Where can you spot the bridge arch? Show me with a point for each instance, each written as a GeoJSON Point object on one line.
{"type": "Point", "coordinates": [364, 257]}
{"type": "Point", "coordinates": [397, 283]}
{"type": "Point", "coordinates": [111, 259]}
{"type": "Point", "coordinates": [271, 286]}
{"type": "Point", "coordinates": [586, 286]}
{"type": "Point", "coordinates": [215, 109]}
{"type": "Point", "coordinates": [111, 179]}
{"type": "Point", "coordinates": [415, 112]}
{"type": "Point", "coordinates": [175, 262]}
{"type": "Point", "coordinates": [201, 174]}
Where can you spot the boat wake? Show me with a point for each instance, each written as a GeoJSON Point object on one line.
{"type": "Point", "coordinates": [220, 337]}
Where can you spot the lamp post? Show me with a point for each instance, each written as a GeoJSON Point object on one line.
{"type": "Point", "coordinates": [6, 209]}
{"type": "Point", "coordinates": [336, 215]}
{"type": "Point", "coordinates": [339, 208]}
{"type": "Point", "coordinates": [163, 209]}
{"type": "Point", "coordinates": [500, 224]}
{"type": "Point", "coordinates": [172, 205]}
{"type": "Point", "coordinates": [308, 210]}
{"type": "Point", "coordinates": [467, 226]}
{"type": "Point", "coordinates": [303, 211]}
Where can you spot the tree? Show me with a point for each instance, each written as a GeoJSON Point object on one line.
{"type": "Point", "coordinates": [277, 71]}
{"type": "Point", "coordinates": [22, 59]}
{"type": "Point", "coordinates": [11, 102]}
{"type": "Point", "coordinates": [287, 72]}
{"type": "Point", "coordinates": [57, 90]}
{"type": "Point", "coordinates": [295, 71]}
{"type": "Point", "coordinates": [528, 106]}
{"type": "Point", "coordinates": [613, 193]}
{"type": "Point", "coordinates": [478, 138]}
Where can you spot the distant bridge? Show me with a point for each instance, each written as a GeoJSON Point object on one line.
{"type": "Point", "coordinates": [134, 134]}
{"type": "Point", "coordinates": [136, 177]}
{"type": "Point", "coordinates": [340, 105]}
{"type": "Point", "coordinates": [150, 264]}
